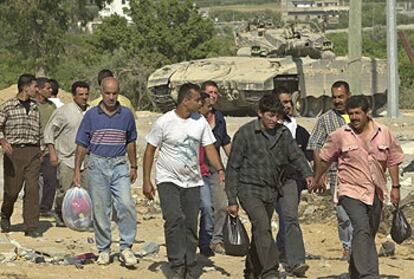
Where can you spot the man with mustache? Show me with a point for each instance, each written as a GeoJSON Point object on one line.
{"type": "Point", "coordinates": [326, 124]}
{"type": "Point", "coordinates": [363, 150]}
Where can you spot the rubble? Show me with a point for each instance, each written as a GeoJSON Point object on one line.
{"type": "Point", "coordinates": [147, 249]}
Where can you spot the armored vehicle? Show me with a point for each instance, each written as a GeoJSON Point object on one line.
{"type": "Point", "coordinates": [294, 56]}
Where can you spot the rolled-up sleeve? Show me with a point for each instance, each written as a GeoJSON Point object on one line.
{"type": "Point", "coordinates": [396, 154]}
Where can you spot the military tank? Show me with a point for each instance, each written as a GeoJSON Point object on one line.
{"type": "Point", "coordinates": [295, 56]}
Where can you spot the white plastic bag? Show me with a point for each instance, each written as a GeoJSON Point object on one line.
{"type": "Point", "coordinates": [77, 209]}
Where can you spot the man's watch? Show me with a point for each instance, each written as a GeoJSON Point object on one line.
{"type": "Point", "coordinates": [398, 186]}
{"type": "Point", "coordinates": [134, 167]}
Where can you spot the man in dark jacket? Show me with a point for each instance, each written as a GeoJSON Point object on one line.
{"type": "Point", "coordinates": [261, 150]}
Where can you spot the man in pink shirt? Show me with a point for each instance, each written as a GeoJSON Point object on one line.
{"type": "Point", "coordinates": [363, 150]}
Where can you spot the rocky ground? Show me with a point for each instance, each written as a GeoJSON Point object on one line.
{"type": "Point", "coordinates": [22, 257]}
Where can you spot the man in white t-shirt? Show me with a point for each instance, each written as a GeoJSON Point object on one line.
{"type": "Point", "coordinates": [178, 134]}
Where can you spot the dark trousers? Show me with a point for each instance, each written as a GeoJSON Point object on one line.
{"type": "Point", "coordinates": [289, 236]}
{"type": "Point", "coordinates": [50, 183]}
{"type": "Point", "coordinates": [22, 166]}
{"type": "Point", "coordinates": [262, 257]}
{"type": "Point", "coordinates": [180, 208]}
{"type": "Point", "coordinates": [365, 221]}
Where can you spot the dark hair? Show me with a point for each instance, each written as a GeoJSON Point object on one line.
{"type": "Point", "coordinates": [357, 101]}
{"type": "Point", "coordinates": [55, 86]}
{"type": "Point", "coordinates": [340, 83]}
{"type": "Point", "coordinates": [77, 84]}
{"type": "Point", "coordinates": [270, 102]}
{"type": "Point", "coordinates": [203, 97]}
{"type": "Point", "coordinates": [185, 91]}
{"type": "Point", "coordinates": [104, 74]}
{"type": "Point", "coordinates": [41, 82]}
{"type": "Point", "coordinates": [25, 79]}
{"type": "Point", "coordinates": [208, 83]}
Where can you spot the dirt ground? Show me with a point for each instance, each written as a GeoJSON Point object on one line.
{"type": "Point", "coordinates": [320, 234]}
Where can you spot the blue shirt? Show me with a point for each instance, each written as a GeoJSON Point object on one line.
{"type": "Point", "coordinates": [104, 135]}
{"type": "Point", "coordinates": [220, 130]}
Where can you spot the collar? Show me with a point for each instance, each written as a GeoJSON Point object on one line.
{"type": "Point", "coordinates": [118, 108]}
{"type": "Point", "coordinates": [377, 128]}
{"type": "Point", "coordinates": [79, 108]}
{"type": "Point", "coordinates": [16, 102]}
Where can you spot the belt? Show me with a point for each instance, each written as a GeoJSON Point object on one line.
{"type": "Point", "coordinates": [23, 145]}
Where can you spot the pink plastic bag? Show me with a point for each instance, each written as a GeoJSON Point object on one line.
{"type": "Point", "coordinates": [77, 209]}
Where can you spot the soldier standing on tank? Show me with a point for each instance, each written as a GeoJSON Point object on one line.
{"type": "Point", "coordinates": [326, 124]}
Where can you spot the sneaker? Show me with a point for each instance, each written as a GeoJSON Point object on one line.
{"type": "Point", "coordinates": [218, 248]}
{"type": "Point", "coordinates": [128, 258]}
{"type": "Point", "coordinates": [104, 258]}
{"type": "Point", "coordinates": [5, 225]}
{"type": "Point", "coordinates": [59, 220]}
{"type": "Point", "coordinates": [299, 270]}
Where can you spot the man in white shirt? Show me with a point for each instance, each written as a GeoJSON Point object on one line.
{"type": "Point", "coordinates": [178, 134]}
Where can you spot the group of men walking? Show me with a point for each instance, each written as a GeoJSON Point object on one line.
{"type": "Point", "coordinates": [270, 161]}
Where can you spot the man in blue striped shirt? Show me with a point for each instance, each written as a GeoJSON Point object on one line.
{"type": "Point", "coordinates": [106, 133]}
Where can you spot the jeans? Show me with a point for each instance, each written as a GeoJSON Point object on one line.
{"type": "Point", "coordinates": [180, 208]}
{"type": "Point", "coordinates": [365, 220]}
{"type": "Point", "coordinates": [262, 257]}
{"type": "Point", "coordinates": [219, 206]}
{"type": "Point", "coordinates": [289, 237]}
{"type": "Point", "coordinates": [206, 216]}
{"type": "Point", "coordinates": [108, 179]}
{"type": "Point", "coordinates": [344, 223]}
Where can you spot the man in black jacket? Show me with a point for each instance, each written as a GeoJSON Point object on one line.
{"type": "Point", "coordinates": [261, 150]}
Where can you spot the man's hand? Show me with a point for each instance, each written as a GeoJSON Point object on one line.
{"type": "Point", "coordinates": [8, 149]}
{"type": "Point", "coordinates": [76, 179]}
{"type": "Point", "coordinates": [221, 175]}
{"type": "Point", "coordinates": [233, 209]}
{"type": "Point", "coordinates": [53, 159]}
{"type": "Point", "coordinates": [316, 186]}
{"type": "Point", "coordinates": [148, 190]}
{"type": "Point", "coordinates": [133, 175]}
{"type": "Point", "coordinates": [309, 181]}
{"type": "Point", "coordinates": [395, 196]}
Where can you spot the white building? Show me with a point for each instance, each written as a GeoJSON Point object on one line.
{"type": "Point", "coordinates": [116, 7]}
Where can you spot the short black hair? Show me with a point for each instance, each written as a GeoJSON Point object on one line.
{"type": "Point", "coordinates": [357, 101]}
{"type": "Point", "coordinates": [340, 83]}
{"type": "Point", "coordinates": [203, 97]}
{"type": "Point", "coordinates": [185, 91]}
{"type": "Point", "coordinates": [76, 84]}
{"type": "Point", "coordinates": [41, 82]}
{"type": "Point", "coordinates": [208, 83]}
{"type": "Point", "coordinates": [104, 74]}
{"type": "Point", "coordinates": [270, 102]}
{"type": "Point", "coordinates": [24, 80]}
{"type": "Point", "coordinates": [55, 86]}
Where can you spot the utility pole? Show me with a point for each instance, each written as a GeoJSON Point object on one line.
{"type": "Point", "coordinates": [392, 61]}
{"type": "Point", "coordinates": [354, 46]}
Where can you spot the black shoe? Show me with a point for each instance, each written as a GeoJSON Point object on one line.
{"type": "Point", "coordinates": [5, 225]}
{"type": "Point", "coordinates": [46, 214]}
{"type": "Point", "coordinates": [33, 234]}
{"type": "Point", "coordinates": [299, 270]}
{"type": "Point", "coordinates": [206, 252]}
{"type": "Point", "coordinates": [177, 273]}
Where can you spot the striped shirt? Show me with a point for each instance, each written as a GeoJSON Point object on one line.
{"type": "Point", "coordinates": [325, 125]}
{"type": "Point", "coordinates": [104, 135]}
{"type": "Point", "coordinates": [19, 127]}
